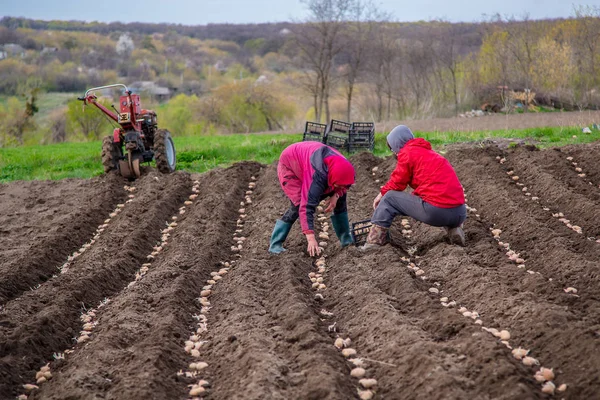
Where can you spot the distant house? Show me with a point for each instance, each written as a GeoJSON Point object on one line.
{"type": "Point", "coordinates": [49, 50]}
{"type": "Point", "coordinates": [12, 50]}
{"type": "Point", "coordinates": [262, 79]}
{"type": "Point", "coordinates": [220, 66]}
{"type": "Point", "coordinates": [158, 93]}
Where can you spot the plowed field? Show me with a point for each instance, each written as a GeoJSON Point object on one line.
{"type": "Point", "coordinates": [163, 288]}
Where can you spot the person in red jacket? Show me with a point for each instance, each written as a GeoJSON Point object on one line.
{"type": "Point", "coordinates": [310, 172]}
{"type": "Point", "coordinates": [437, 199]}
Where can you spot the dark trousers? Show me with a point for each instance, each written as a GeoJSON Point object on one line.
{"type": "Point", "coordinates": [396, 203]}
{"type": "Point", "coordinates": [292, 213]}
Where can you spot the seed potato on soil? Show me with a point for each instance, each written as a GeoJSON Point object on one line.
{"type": "Point", "coordinates": [265, 334]}
{"type": "Point", "coordinates": [557, 257]}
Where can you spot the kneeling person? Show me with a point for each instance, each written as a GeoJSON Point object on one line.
{"type": "Point", "coordinates": [438, 198]}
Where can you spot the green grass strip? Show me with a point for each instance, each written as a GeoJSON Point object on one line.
{"type": "Point", "coordinates": [202, 153]}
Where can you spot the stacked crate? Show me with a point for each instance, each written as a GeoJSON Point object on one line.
{"type": "Point", "coordinates": [338, 134]}
{"type": "Point", "coordinates": [342, 135]}
{"type": "Point", "coordinates": [361, 137]}
{"type": "Point", "coordinates": [314, 132]}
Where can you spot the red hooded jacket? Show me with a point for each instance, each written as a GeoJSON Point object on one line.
{"type": "Point", "coordinates": [428, 173]}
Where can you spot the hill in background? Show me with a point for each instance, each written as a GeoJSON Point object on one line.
{"type": "Point", "coordinates": [258, 77]}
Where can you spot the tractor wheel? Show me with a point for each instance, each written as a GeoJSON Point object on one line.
{"type": "Point", "coordinates": [164, 151]}
{"type": "Point", "coordinates": [111, 152]}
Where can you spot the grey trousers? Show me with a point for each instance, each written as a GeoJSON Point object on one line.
{"type": "Point", "coordinates": [396, 203]}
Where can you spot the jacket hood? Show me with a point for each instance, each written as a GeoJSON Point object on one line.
{"type": "Point", "coordinates": [398, 137]}
{"type": "Point", "coordinates": [419, 142]}
{"type": "Point", "coordinates": [340, 171]}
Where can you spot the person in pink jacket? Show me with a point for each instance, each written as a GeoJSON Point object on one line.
{"type": "Point", "coordinates": [310, 172]}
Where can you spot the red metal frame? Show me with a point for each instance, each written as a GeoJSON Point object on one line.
{"type": "Point", "coordinates": [128, 104]}
{"type": "Point", "coordinates": [117, 135]}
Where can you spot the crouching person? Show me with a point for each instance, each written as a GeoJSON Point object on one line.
{"type": "Point", "coordinates": [438, 198]}
{"type": "Point", "coordinates": [310, 172]}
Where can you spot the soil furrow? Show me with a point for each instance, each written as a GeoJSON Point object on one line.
{"type": "Point", "coordinates": [587, 158]}
{"type": "Point", "coordinates": [264, 328]}
{"type": "Point", "coordinates": [539, 315]}
{"type": "Point", "coordinates": [553, 193]}
{"type": "Point", "coordinates": [560, 166]}
{"type": "Point", "coordinates": [436, 353]}
{"type": "Point", "coordinates": [263, 332]}
{"type": "Point", "coordinates": [533, 232]}
{"type": "Point", "coordinates": [61, 216]}
{"type": "Point", "coordinates": [393, 319]}
{"type": "Point", "coordinates": [546, 244]}
{"type": "Point", "coordinates": [557, 327]}
{"type": "Point", "coordinates": [135, 351]}
{"type": "Point", "coordinates": [44, 321]}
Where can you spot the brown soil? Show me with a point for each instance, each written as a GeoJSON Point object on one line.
{"type": "Point", "coordinates": [43, 222]}
{"type": "Point", "coordinates": [267, 335]}
{"type": "Point", "coordinates": [43, 321]}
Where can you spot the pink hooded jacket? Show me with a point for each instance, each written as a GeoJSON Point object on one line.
{"type": "Point", "coordinates": [307, 171]}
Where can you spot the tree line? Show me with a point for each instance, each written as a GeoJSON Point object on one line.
{"type": "Point", "coordinates": [346, 60]}
{"type": "Point", "coordinates": [448, 67]}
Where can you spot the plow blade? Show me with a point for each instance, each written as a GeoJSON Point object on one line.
{"type": "Point", "coordinates": [130, 168]}
{"type": "Point", "coordinates": [126, 172]}
{"type": "Point", "coordinates": [135, 164]}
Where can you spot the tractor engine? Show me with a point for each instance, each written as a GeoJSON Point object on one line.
{"type": "Point", "coordinates": [149, 125]}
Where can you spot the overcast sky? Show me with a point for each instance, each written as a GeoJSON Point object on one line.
{"type": "Point", "coordinates": [202, 12]}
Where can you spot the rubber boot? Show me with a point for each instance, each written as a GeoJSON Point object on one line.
{"type": "Point", "coordinates": [378, 236]}
{"type": "Point", "coordinates": [278, 236]}
{"type": "Point", "coordinates": [457, 236]}
{"type": "Point", "coordinates": [341, 226]}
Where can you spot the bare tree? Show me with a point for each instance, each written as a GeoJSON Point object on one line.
{"type": "Point", "coordinates": [311, 83]}
{"type": "Point", "coordinates": [494, 59]}
{"type": "Point", "coordinates": [364, 16]}
{"type": "Point", "coordinates": [58, 126]}
{"type": "Point", "coordinates": [385, 70]}
{"type": "Point", "coordinates": [587, 47]}
{"type": "Point", "coordinates": [319, 42]}
{"type": "Point", "coordinates": [447, 55]}
{"type": "Point", "coordinates": [521, 41]}
{"type": "Point", "coordinates": [376, 76]}
{"type": "Point", "coordinates": [418, 58]}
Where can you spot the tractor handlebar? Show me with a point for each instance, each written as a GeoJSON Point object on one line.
{"type": "Point", "coordinates": [90, 97]}
{"type": "Point", "coordinates": [107, 87]}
